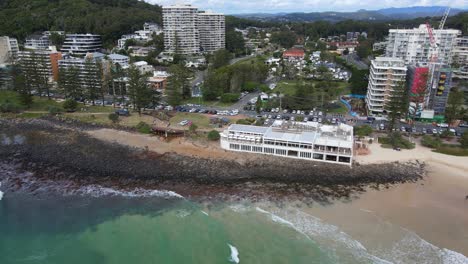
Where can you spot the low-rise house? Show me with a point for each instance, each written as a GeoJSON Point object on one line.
{"type": "Point", "coordinates": [294, 54]}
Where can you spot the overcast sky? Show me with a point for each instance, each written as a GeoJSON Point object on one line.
{"type": "Point", "coordinates": [275, 6]}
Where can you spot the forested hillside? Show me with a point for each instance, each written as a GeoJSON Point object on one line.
{"type": "Point", "coordinates": [110, 18]}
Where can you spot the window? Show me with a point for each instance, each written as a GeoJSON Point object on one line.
{"type": "Point", "coordinates": [246, 148]}
{"type": "Point", "coordinates": [305, 155]}
{"type": "Point", "coordinates": [318, 156]}
{"type": "Point", "coordinates": [281, 152]}
{"type": "Point", "coordinates": [234, 146]}
{"type": "Point", "coordinates": [269, 150]}
{"type": "Point", "coordinates": [257, 149]}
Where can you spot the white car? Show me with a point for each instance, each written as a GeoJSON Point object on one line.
{"type": "Point", "coordinates": [294, 112]}
{"type": "Point", "coordinates": [183, 122]}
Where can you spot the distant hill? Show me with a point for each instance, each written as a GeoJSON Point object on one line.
{"type": "Point", "coordinates": [369, 15]}
{"type": "Point", "coordinates": [109, 18]}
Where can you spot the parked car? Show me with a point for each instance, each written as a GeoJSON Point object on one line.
{"type": "Point", "coordinates": [122, 112]}
{"type": "Point", "coordinates": [434, 131]}
{"type": "Point", "coordinates": [183, 122]}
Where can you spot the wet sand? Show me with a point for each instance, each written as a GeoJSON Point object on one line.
{"type": "Point", "coordinates": [435, 209]}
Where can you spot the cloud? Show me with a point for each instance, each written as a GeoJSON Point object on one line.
{"type": "Point", "coordinates": [274, 6]}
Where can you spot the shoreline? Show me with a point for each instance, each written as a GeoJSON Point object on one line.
{"type": "Point", "coordinates": [55, 153]}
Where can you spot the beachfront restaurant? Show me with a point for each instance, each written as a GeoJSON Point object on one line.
{"type": "Point", "coordinates": [324, 143]}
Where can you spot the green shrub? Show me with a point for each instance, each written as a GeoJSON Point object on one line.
{"type": "Point", "coordinates": [431, 142]}
{"type": "Point", "coordinates": [249, 86]}
{"type": "Point", "coordinates": [362, 131]}
{"type": "Point", "coordinates": [114, 117]}
{"type": "Point", "coordinates": [464, 140]}
{"type": "Point", "coordinates": [396, 140]}
{"type": "Point", "coordinates": [9, 107]}
{"type": "Point", "coordinates": [247, 121]}
{"type": "Point", "coordinates": [213, 135]}
{"type": "Point", "coordinates": [230, 97]}
{"type": "Point", "coordinates": [70, 105]}
{"type": "Point", "coordinates": [54, 110]}
{"type": "Point", "coordinates": [193, 128]}
{"type": "Point", "coordinates": [143, 128]}
{"type": "Point", "coordinates": [451, 150]}
{"type": "Point", "coordinates": [446, 134]}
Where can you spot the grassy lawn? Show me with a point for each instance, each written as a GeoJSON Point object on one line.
{"type": "Point", "coordinates": [103, 118]}
{"type": "Point", "coordinates": [202, 121]}
{"type": "Point", "coordinates": [288, 87]}
{"type": "Point", "coordinates": [451, 150]}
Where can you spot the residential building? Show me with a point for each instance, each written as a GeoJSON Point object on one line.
{"type": "Point", "coordinates": [385, 74]}
{"type": "Point", "coordinates": [81, 44]}
{"type": "Point", "coordinates": [379, 46]}
{"type": "Point", "coordinates": [180, 24]}
{"type": "Point", "coordinates": [144, 67]}
{"type": "Point", "coordinates": [416, 81]}
{"type": "Point", "coordinates": [343, 45]}
{"type": "Point", "coordinates": [44, 61]}
{"type": "Point", "coordinates": [413, 46]}
{"type": "Point", "coordinates": [139, 51]}
{"type": "Point", "coordinates": [37, 42]}
{"type": "Point", "coordinates": [212, 31]}
{"type": "Point", "coordinates": [8, 49]}
{"type": "Point", "coordinates": [300, 140]}
{"type": "Point", "coordinates": [294, 54]}
{"type": "Point", "coordinates": [88, 67]}
{"type": "Point", "coordinates": [460, 58]}
{"type": "Point", "coordinates": [122, 60]}
{"type": "Point", "coordinates": [141, 36]}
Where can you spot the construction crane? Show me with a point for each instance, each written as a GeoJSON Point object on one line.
{"type": "Point", "coordinates": [434, 51]}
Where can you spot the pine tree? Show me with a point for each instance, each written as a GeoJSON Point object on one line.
{"type": "Point", "coordinates": [455, 102]}
{"type": "Point", "coordinates": [178, 87]}
{"type": "Point", "coordinates": [138, 90]}
{"type": "Point", "coordinates": [398, 103]}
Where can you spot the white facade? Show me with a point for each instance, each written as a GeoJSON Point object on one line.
{"type": "Point", "coordinates": [413, 45]}
{"type": "Point", "coordinates": [212, 30]}
{"type": "Point", "coordinates": [385, 73]}
{"type": "Point", "coordinates": [180, 29]}
{"type": "Point", "coordinates": [87, 67]}
{"type": "Point", "coordinates": [122, 60]}
{"type": "Point", "coordinates": [37, 42]}
{"type": "Point", "coordinates": [301, 140]}
{"type": "Point", "coordinates": [80, 44]}
{"type": "Point", "coordinates": [8, 49]}
{"type": "Point", "coordinates": [141, 36]}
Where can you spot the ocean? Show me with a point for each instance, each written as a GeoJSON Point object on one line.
{"type": "Point", "coordinates": [108, 226]}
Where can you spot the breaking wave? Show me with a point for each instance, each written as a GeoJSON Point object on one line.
{"type": "Point", "coordinates": [234, 254]}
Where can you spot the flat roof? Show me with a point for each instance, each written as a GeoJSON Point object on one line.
{"type": "Point", "coordinates": [248, 128]}
{"type": "Point", "coordinates": [303, 136]}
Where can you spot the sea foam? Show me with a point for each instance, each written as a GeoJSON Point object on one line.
{"type": "Point", "coordinates": [234, 254]}
{"type": "Point", "coordinates": [98, 191]}
{"type": "Point", "coordinates": [1, 193]}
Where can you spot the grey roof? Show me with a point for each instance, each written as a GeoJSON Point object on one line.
{"type": "Point", "coordinates": [304, 136]}
{"type": "Point", "coordinates": [248, 128]}
{"type": "Point", "coordinates": [115, 56]}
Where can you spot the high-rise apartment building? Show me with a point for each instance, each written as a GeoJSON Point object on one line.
{"type": "Point", "coordinates": [190, 31]}
{"type": "Point", "coordinates": [8, 49]}
{"type": "Point", "coordinates": [212, 31]}
{"type": "Point", "coordinates": [80, 44]}
{"type": "Point", "coordinates": [180, 29]}
{"type": "Point", "coordinates": [44, 62]}
{"type": "Point", "coordinates": [385, 74]}
{"type": "Point", "coordinates": [413, 46]}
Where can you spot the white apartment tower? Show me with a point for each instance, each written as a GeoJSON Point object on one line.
{"type": "Point", "coordinates": [413, 45]}
{"type": "Point", "coordinates": [212, 31]}
{"type": "Point", "coordinates": [180, 29]}
{"type": "Point", "coordinates": [385, 73]}
{"type": "Point", "coordinates": [80, 44]}
{"type": "Point", "coordinates": [8, 49]}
